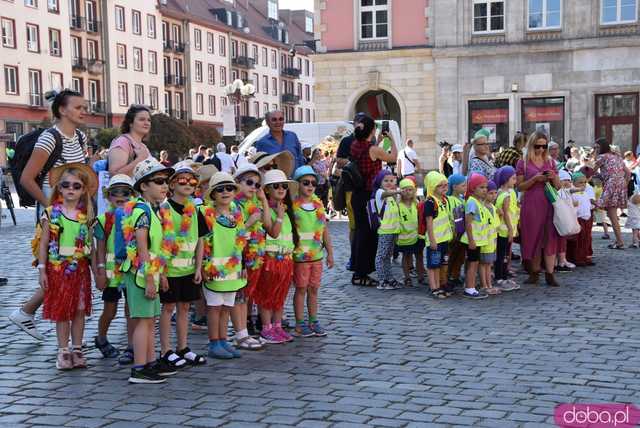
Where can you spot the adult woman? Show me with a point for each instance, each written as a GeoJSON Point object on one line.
{"type": "Point", "coordinates": [537, 233]}
{"type": "Point", "coordinates": [479, 160]}
{"type": "Point", "coordinates": [368, 158]}
{"type": "Point", "coordinates": [68, 109]}
{"type": "Point", "coordinates": [615, 176]}
{"type": "Point", "coordinates": [319, 164]}
{"type": "Point", "coordinates": [128, 150]}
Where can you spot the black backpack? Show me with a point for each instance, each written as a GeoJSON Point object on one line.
{"type": "Point", "coordinates": [23, 150]}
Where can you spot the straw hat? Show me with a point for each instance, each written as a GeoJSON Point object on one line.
{"type": "Point", "coordinates": [246, 168]}
{"type": "Point", "coordinates": [284, 161]}
{"type": "Point", "coordinates": [221, 179]}
{"type": "Point", "coordinates": [56, 173]}
{"type": "Point", "coordinates": [147, 168]}
{"type": "Point", "coordinates": [184, 167]}
{"type": "Point", "coordinates": [274, 176]}
{"type": "Point", "coordinates": [205, 173]}
{"type": "Point", "coordinates": [121, 180]}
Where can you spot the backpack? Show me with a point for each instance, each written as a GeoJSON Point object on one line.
{"type": "Point", "coordinates": [119, 244]}
{"type": "Point", "coordinates": [459, 220]}
{"type": "Point", "coordinates": [24, 150]}
{"type": "Point", "coordinates": [373, 215]}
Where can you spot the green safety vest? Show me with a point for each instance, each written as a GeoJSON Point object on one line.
{"type": "Point", "coordinates": [307, 250]}
{"type": "Point", "coordinates": [283, 244]}
{"type": "Point", "coordinates": [408, 224]}
{"type": "Point", "coordinates": [479, 227]}
{"type": "Point", "coordinates": [442, 229]}
{"type": "Point", "coordinates": [390, 222]}
{"type": "Point", "coordinates": [110, 263]}
{"type": "Point", "coordinates": [514, 213]}
{"type": "Point", "coordinates": [223, 240]}
{"type": "Point", "coordinates": [492, 231]}
{"type": "Point", "coordinates": [69, 230]}
{"type": "Point", "coordinates": [184, 263]}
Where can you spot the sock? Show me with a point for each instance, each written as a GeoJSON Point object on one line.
{"type": "Point", "coordinates": [313, 319]}
{"type": "Point", "coordinates": [300, 322]}
{"type": "Point", "coordinates": [471, 290]}
{"type": "Point", "coordinates": [278, 324]}
{"type": "Point", "coordinates": [267, 327]}
{"type": "Point", "coordinates": [138, 368]}
{"type": "Point", "coordinates": [77, 347]}
{"type": "Point", "coordinates": [242, 334]}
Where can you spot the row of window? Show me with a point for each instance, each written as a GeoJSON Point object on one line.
{"type": "Point", "coordinates": [53, 6]}
{"type": "Point", "coordinates": [136, 22]}
{"type": "Point", "coordinates": [9, 38]}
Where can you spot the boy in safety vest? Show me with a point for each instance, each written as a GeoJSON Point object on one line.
{"type": "Point", "coordinates": [476, 231]}
{"type": "Point", "coordinates": [488, 252]}
{"type": "Point", "coordinates": [438, 230]}
{"type": "Point", "coordinates": [455, 206]}
{"type": "Point", "coordinates": [108, 276]}
{"type": "Point", "coordinates": [182, 225]}
{"type": "Point", "coordinates": [219, 256]}
{"type": "Point", "coordinates": [313, 234]}
{"type": "Point", "coordinates": [407, 243]}
{"type": "Point", "coordinates": [145, 268]}
{"type": "Point", "coordinates": [509, 211]}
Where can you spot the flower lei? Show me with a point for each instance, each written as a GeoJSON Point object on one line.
{"type": "Point", "coordinates": [318, 207]}
{"type": "Point", "coordinates": [109, 223]}
{"type": "Point", "coordinates": [157, 264]}
{"type": "Point", "coordinates": [70, 264]}
{"type": "Point", "coordinates": [254, 251]}
{"type": "Point", "coordinates": [170, 242]}
{"type": "Point", "coordinates": [212, 271]}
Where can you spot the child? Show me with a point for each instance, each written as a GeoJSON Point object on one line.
{"type": "Point", "coordinates": [408, 237]}
{"type": "Point", "coordinates": [599, 213]}
{"type": "Point", "coordinates": [509, 213]}
{"type": "Point", "coordinates": [63, 258]}
{"type": "Point", "coordinates": [633, 218]}
{"type": "Point", "coordinates": [277, 270]}
{"type": "Point", "coordinates": [255, 211]}
{"type": "Point", "coordinates": [145, 268]}
{"type": "Point", "coordinates": [182, 225]}
{"type": "Point", "coordinates": [488, 251]}
{"type": "Point", "coordinates": [565, 192]}
{"type": "Point", "coordinates": [475, 235]}
{"type": "Point", "coordinates": [579, 249]}
{"type": "Point", "coordinates": [108, 276]}
{"type": "Point", "coordinates": [219, 257]}
{"type": "Point", "coordinates": [439, 231]}
{"type": "Point", "coordinates": [310, 222]}
{"type": "Point", "coordinates": [455, 205]}
{"type": "Point", "coordinates": [385, 191]}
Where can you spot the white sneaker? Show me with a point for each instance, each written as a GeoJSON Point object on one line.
{"type": "Point", "coordinates": [569, 265]}
{"type": "Point", "coordinates": [26, 323]}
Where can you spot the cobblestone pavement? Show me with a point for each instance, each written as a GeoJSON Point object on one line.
{"type": "Point", "coordinates": [392, 358]}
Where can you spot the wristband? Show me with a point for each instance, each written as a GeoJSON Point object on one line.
{"type": "Point", "coordinates": [100, 265]}
{"type": "Point", "coordinates": [41, 266]}
{"type": "Point", "coordinates": [278, 220]}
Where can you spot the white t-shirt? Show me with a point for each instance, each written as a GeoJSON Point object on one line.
{"type": "Point", "coordinates": [238, 160]}
{"type": "Point", "coordinates": [226, 163]}
{"type": "Point", "coordinates": [584, 202]}
{"type": "Point", "coordinates": [408, 156]}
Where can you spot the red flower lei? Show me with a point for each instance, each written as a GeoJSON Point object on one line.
{"type": "Point", "coordinates": [212, 271]}
{"type": "Point", "coordinates": [318, 229]}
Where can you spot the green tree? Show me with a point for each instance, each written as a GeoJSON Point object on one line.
{"type": "Point", "coordinates": [176, 137]}
{"type": "Point", "coordinates": [106, 135]}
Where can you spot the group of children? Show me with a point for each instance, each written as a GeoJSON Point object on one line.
{"type": "Point", "coordinates": [173, 237]}
{"type": "Point", "coordinates": [465, 221]}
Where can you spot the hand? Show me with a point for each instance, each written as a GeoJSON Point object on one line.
{"type": "Point", "coordinates": [261, 195]}
{"type": "Point", "coordinates": [44, 282]}
{"type": "Point", "coordinates": [472, 245]}
{"type": "Point", "coordinates": [510, 237]}
{"type": "Point", "coordinates": [254, 218]}
{"type": "Point", "coordinates": [164, 284]}
{"type": "Point", "coordinates": [101, 279]}
{"type": "Point", "coordinates": [433, 247]}
{"type": "Point", "coordinates": [141, 151]}
{"type": "Point", "coordinates": [150, 290]}
{"type": "Point", "coordinates": [330, 261]}
{"type": "Point", "coordinates": [280, 209]}
{"type": "Point", "coordinates": [197, 277]}
{"type": "Point", "coordinates": [540, 178]}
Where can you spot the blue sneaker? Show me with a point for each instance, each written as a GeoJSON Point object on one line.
{"type": "Point", "coordinates": [230, 349]}
{"type": "Point", "coordinates": [317, 329]}
{"type": "Point", "coordinates": [216, 350]}
{"type": "Point", "coordinates": [303, 330]}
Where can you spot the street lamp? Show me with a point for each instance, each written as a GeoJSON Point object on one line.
{"type": "Point", "coordinates": [239, 92]}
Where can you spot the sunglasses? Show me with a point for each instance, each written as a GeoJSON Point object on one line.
{"type": "Point", "coordinates": [74, 186]}
{"type": "Point", "coordinates": [249, 182]}
{"type": "Point", "coordinates": [160, 181]}
{"type": "Point", "coordinates": [228, 188]}
{"type": "Point", "coordinates": [542, 146]}
{"type": "Point", "coordinates": [270, 167]}
{"type": "Point", "coordinates": [276, 186]}
{"type": "Point", "coordinates": [120, 192]}
{"type": "Point", "coordinates": [308, 183]}
{"type": "Point", "coordinates": [183, 181]}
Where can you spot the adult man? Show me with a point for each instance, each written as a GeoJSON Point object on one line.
{"type": "Point", "coordinates": [278, 139]}
{"type": "Point", "coordinates": [408, 162]}
{"type": "Point", "coordinates": [511, 155]}
{"type": "Point", "coordinates": [226, 163]}
{"type": "Point", "coordinates": [237, 158]}
{"type": "Point", "coordinates": [451, 160]}
{"type": "Point", "coordinates": [202, 154]}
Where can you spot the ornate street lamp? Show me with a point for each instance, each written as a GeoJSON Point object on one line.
{"type": "Point", "coordinates": [238, 92]}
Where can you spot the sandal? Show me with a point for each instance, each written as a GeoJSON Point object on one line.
{"type": "Point", "coordinates": [248, 343]}
{"type": "Point", "coordinates": [492, 291]}
{"type": "Point", "coordinates": [174, 360]}
{"type": "Point", "coordinates": [615, 246]}
{"type": "Point", "coordinates": [107, 349]}
{"type": "Point", "coordinates": [408, 283]}
{"type": "Point", "coordinates": [126, 357]}
{"type": "Point", "coordinates": [438, 294]}
{"type": "Point", "coordinates": [191, 358]}
{"type": "Point", "coordinates": [605, 237]}
{"type": "Point", "coordinates": [365, 281]}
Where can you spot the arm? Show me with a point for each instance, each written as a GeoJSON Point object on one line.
{"type": "Point", "coordinates": [432, 236]}
{"type": "Point", "coordinates": [28, 178]}
{"type": "Point", "coordinates": [100, 273]}
{"type": "Point", "coordinates": [43, 254]}
{"type": "Point", "coordinates": [118, 162]}
{"type": "Point", "coordinates": [378, 153]}
{"type": "Point", "coordinates": [142, 245]}
{"type": "Point", "coordinates": [199, 256]}
{"type": "Point", "coordinates": [275, 228]}
{"type": "Point", "coordinates": [506, 216]}
{"type": "Point", "coordinates": [465, 158]}
{"type": "Point", "coordinates": [266, 212]}
{"type": "Point", "coordinates": [524, 185]}
{"type": "Point", "coordinates": [326, 237]}
{"type": "Point", "coordinates": [469, 229]}
{"type": "Point", "coordinates": [441, 161]}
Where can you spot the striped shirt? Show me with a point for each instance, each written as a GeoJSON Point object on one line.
{"type": "Point", "coordinates": [72, 149]}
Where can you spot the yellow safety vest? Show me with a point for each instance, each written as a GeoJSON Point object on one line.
{"type": "Point", "coordinates": [492, 230]}
{"type": "Point", "coordinates": [390, 222]}
{"type": "Point", "coordinates": [478, 227]}
{"type": "Point", "coordinates": [408, 224]}
{"type": "Point", "coordinates": [514, 213]}
{"type": "Point", "coordinates": [442, 229]}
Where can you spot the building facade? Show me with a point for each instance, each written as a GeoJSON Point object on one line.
{"type": "Point", "coordinates": [175, 56]}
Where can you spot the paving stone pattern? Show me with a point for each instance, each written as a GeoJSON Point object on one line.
{"type": "Point", "coordinates": [392, 358]}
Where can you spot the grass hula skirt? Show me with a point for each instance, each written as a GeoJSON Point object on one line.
{"type": "Point", "coordinates": [68, 292]}
{"type": "Point", "coordinates": [275, 279]}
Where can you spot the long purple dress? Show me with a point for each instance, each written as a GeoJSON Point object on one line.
{"type": "Point", "coordinates": [536, 216]}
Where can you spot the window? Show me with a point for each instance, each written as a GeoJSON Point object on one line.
{"type": "Point", "coordinates": [618, 11]}
{"type": "Point", "coordinates": [153, 97]}
{"type": "Point", "coordinates": [223, 76]}
{"type": "Point", "coordinates": [178, 104]}
{"type": "Point", "coordinates": [374, 19]}
{"type": "Point", "coordinates": [212, 105]}
{"type": "Point", "coordinates": [307, 93]}
{"type": "Point", "coordinates": [234, 48]}
{"type": "Point", "coordinates": [265, 108]}
{"type": "Point", "coordinates": [265, 57]}
{"type": "Point", "coordinates": [76, 84]}
{"type": "Point", "coordinates": [176, 33]}
{"type": "Point", "coordinates": [545, 114]}
{"type": "Point", "coordinates": [94, 93]}
{"type": "Point", "coordinates": [299, 90]}
{"type": "Point", "coordinates": [54, 42]}
{"type": "Point", "coordinates": [11, 80]}
{"type": "Point", "coordinates": [254, 49]}
{"type": "Point", "coordinates": [136, 22]}
{"type": "Point", "coordinates": [544, 14]}
{"type": "Point", "coordinates": [90, 11]}
{"type": "Point", "coordinates": [274, 107]}
{"type": "Point", "coordinates": [256, 109]}
{"type": "Point", "coordinates": [306, 67]}
{"type": "Point", "coordinates": [197, 39]}
{"type": "Point", "coordinates": [92, 49]}
{"type": "Point", "coordinates": [33, 38]}
{"type": "Point", "coordinates": [223, 45]}
{"type": "Point", "coordinates": [121, 55]}
{"type": "Point", "coordinates": [299, 64]}
{"type": "Point", "coordinates": [265, 85]}
{"type": "Point", "coordinates": [153, 62]}
{"type": "Point", "coordinates": [8, 33]}
{"type": "Point", "coordinates": [53, 6]}
{"type": "Point", "coordinates": [274, 60]}
{"type": "Point", "coordinates": [211, 74]}
{"type": "Point", "coordinates": [198, 73]}
{"type": "Point", "coordinates": [488, 16]}
{"type": "Point", "coordinates": [123, 94]}
{"type": "Point", "coordinates": [274, 86]}
{"type": "Point", "coordinates": [256, 82]}
{"type": "Point", "coordinates": [31, 3]}
{"type": "Point", "coordinates": [308, 24]}
{"type": "Point", "coordinates": [199, 104]}
{"type": "Point", "coordinates": [120, 18]}
{"type": "Point", "coordinates": [35, 87]}
{"type": "Point", "coordinates": [55, 80]}
{"type": "Point", "coordinates": [177, 67]}
{"type": "Point", "coordinates": [137, 59]}
{"type": "Point", "coordinates": [165, 33]}
{"type": "Point", "coordinates": [307, 115]}
{"type": "Point", "coordinates": [76, 48]}
{"type": "Point", "coordinates": [151, 26]}
{"type": "Point", "coordinates": [138, 94]}
{"type": "Point", "coordinates": [492, 115]}
{"type": "Point", "coordinates": [223, 101]}
{"type": "Point", "coordinates": [167, 102]}
{"type": "Point", "coordinates": [272, 11]}
{"type": "Point", "coordinates": [210, 42]}
{"type": "Point", "coordinates": [166, 65]}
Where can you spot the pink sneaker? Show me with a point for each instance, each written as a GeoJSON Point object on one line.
{"type": "Point", "coordinates": [271, 336]}
{"type": "Point", "coordinates": [283, 334]}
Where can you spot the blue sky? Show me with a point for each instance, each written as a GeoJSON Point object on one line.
{"type": "Point", "coordinates": [296, 4]}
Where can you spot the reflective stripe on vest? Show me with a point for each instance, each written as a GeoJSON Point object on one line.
{"type": "Point", "coordinates": [478, 227]}
{"type": "Point", "coordinates": [184, 262]}
{"type": "Point", "coordinates": [283, 244]}
{"type": "Point", "coordinates": [408, 224]}
{"type": "Point", "coordinates": [308, 249]}
{"type": "Point", "coordinates": [390, 223]}
{"type": "Point", "coordinates": [70, 229]}
{"type": "Point", "coordinates": [441, 227]}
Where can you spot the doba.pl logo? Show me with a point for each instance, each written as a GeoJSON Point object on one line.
{"type": "Point", "coordinates": [596, 415]}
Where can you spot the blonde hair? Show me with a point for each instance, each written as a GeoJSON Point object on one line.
{"type": "Point", "coordinates": [85, 203]}
{"type": "Point", "coordinates": [530, 150]}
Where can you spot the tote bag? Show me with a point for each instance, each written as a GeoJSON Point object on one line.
{"type": "Point", "coordinates": [565, 217]}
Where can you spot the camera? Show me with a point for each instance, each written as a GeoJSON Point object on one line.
{"type": "Point", "coordinates": [444, 144]}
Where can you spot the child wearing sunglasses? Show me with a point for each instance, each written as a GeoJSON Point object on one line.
{"type": "Point", "coordinates": [144, 270]}
{"type": "Point", "coordinates": [310, 221]}
{"type": "Point", "coordinates": [108, 280]}
{"type": "Point", "coordinates": [182, 225]}
{"type": "Point", "coordinates": [219, 257]}
{"type": "Point", "coordinates": [63, 258]}
{"type": "Point", "coordinates": [277, 271]}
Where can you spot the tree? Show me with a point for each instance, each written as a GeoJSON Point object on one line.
{"type": "Point", "coordinates": [106, 135]}
{"type": "Point", "coordinates": [176, 137]}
